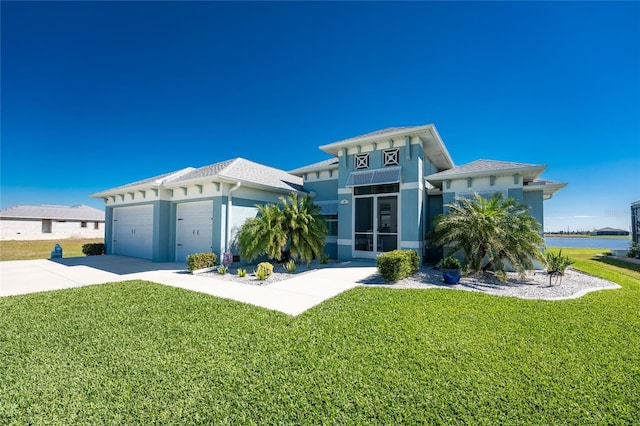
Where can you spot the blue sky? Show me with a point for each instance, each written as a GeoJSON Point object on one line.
{"type": "Point", "coordinates": [99, 94]}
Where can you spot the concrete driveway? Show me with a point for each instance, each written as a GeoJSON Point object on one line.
{"type": "Point", "coordinates": [292, 296]}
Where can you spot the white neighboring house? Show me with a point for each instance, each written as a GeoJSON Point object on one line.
{"type": "Point", "coordinates": [26, 222]}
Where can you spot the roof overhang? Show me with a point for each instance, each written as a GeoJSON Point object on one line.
{"type": "Point", "coordinates": [433, 146]}
{"type": "Point", "coordinates": [548, 188]}
{"type": "Point", "coordinates": [528, 174]}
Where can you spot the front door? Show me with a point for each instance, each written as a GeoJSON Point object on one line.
{"type": "Point", "coordinates": [376, 225]}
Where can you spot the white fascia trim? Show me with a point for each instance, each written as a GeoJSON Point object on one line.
{"type": "Point", "coordinates": [411, 244]}
{"type": "Point", "coordinates": [330, 240]}
{"type": "Point", "coordinates": [411, 185]}
{"type": "Point", "coordinates": [335, 147]}
{"type": "Point", "coordinates": [345, 242]}
{"type": "Point", "coordinates": [344, 191]}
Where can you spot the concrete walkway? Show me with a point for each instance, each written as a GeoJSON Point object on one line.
{"type": "Point", "coordinates": [292, 296]}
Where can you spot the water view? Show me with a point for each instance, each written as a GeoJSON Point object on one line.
{"type": "Point", "coordinates": [589, 242]}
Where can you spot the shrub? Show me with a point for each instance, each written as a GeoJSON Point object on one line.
{"type": "Point", "coordinates": [265, 269]}
{"type": "Point", "coordinates": [93, 249]}
{"type": "Point", "coordinates": [242, 272]}
{"type": "Point", "coordinates": [201, 260]}
{"type": "Point", "coordinates": [291, 266]}
{"type": "Point", "coordinates": [324, 258]}
{"type": "Point", "coordinates": [398, 264]}
{"type": "Point", "coordinates": [227, 259]}
{"type": "Point", "coordinates": [450, 262]}
{"type": "Point", "coordinates": [634, 250]}
{"type": "Point", "coordinates": [556, 264]}
{"type": "Point", "coordinates": [222, 269]}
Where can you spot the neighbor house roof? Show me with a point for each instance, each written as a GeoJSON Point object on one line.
{"type": "Point", "coordinates": [433, 146]}
{"type": "Point", "coordinates": [236, 170]}
{"type": "Point", "coordinates": [489, 167]}
{"type": "Point", "coordinates": [609, 229]}
{"type": "Point", "coordinates": [78, 212]}
{"type": "Point", "coordinates": [331, 163]}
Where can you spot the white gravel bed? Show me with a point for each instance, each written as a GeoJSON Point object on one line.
{"type": "Point", "coordinates": [535, 285]}
{"type": "Point", "coordinates": [279, 273]}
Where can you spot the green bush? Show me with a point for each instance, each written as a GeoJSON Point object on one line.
{"type": "Point", "coordinates": [324, 258]}
{"type": "Point", "coordinates": [265, 269]}
{"type": "Point", "coordinates": [242, 272]}
{"type": "Point", "coordinates": [398, 264]}
{"type": "Point", "coordinates": [222, 269]}
{"type": "Point", "coordinates": [450, 262]}
{"type": "Point", "coordinates": [93, 249]}
{"type": "Point", "coordinates": [201, 260]}
{"type": "Point", "coordinates": [634, 250]}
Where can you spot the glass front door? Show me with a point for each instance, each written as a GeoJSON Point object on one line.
{"type": "Point", "coordinates": [375, 225]}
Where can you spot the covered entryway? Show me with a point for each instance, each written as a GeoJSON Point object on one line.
{"type": "Point", "coordinates": [375, 220]}
{"type": "Point", "coordinates": [133, 231]}
{"type": "Point", "coordinates": [194, 228]}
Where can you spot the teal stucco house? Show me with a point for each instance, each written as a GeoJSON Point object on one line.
{"type": "Point", "coordinates": [379, 192]}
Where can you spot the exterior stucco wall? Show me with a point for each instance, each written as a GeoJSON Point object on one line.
{"type": "Point", "coordinates": [31, 229]}
{"type": "Point", "coordinates": [324, 189]}
{"type": "Point", "coordinates": [535, 199]}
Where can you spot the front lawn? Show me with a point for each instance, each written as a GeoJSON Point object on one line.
{"type": "Point", "coordinates": [41, 249]}
{"type": "Point", "coordinates": [141, 353]}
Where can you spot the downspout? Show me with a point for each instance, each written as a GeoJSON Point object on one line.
{"type": "Point", "coordinates": [227, 238]}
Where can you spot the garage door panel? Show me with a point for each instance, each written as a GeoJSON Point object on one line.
{"type": "Point", "coordinates": [133, 231]}
{"type": "Point", "coordinates": [194, 228]}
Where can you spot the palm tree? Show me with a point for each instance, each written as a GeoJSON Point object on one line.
{"type": "Point", "coordinates": [491, 232]}
{"type": "Point", "coordinates": [295, 224]}
{"type": "Point", "coordinates": [305, 227]}
{"type": "Point", "coordinates": [263, 234]}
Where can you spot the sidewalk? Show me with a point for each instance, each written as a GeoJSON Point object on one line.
{"type": "Point", "coordinates": [292, 296]}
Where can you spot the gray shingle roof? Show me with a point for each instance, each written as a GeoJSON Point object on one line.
{"type": "Point", "coordinates": [156, 180]}
{"type": "Point", "coordinates": [481, 167]}
{"type": "Point", "coordinates": [248, 171]}
{"type": "Point", "coordinates": [331, 163]}
{"type": "Point", "coordinates": [237, 169]}
{"type": "Point", "coordinates": [78, 212]}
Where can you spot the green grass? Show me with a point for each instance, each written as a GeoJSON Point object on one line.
{"type": "Point", "coordinates": [141, 353]}
{"type": "Point", "coordinates": [41, 249]}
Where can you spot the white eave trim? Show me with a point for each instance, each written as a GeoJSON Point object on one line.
{"type": "Point", "coordinates": [486, 173]}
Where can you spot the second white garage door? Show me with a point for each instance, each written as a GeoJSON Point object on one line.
{"type": "Point", "coordinates": [133, 231]}
{"type": "Point", "coordinates": [194, 228]}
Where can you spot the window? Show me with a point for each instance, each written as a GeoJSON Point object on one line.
{"type": "Point", "coordinates": [390, 157]}
{"type": "Point", "coordinates": [46, 226]}
{"type": "Point", "coordinates": [83, 224]}
{"type": "Point", "coordinates": [332, 225]}
{"type": "Point", "coordinates": [377, 189]}
{"type": "Point", "coordinates": [96, 225]}
{"type": "Point", "coordinates": [362, 161]}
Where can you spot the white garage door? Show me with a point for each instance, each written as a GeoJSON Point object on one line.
{"type": "Point", "coordinates": [194, 228]}
{"type": "Point", "coordinates": [133, 231]}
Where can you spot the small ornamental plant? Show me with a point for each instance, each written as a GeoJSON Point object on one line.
{"type": "Point", "coordinates": [451, 270]}
{"type": "Point", "coordinates": [557, 264]}
{"type": "Point", "coordinates": [291, 266]}
{"type": "Point", "coordinates": [242, 272]}
{"type": "Point", "coordinates": [450, 262]}
{"type": "Point", "coordinates": [222, 269]}
{"type": "Point", "coordinates": [265, 269]}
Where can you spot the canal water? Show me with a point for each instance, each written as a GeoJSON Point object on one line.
{"type": "Point", "coordinates": [590, 242]}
